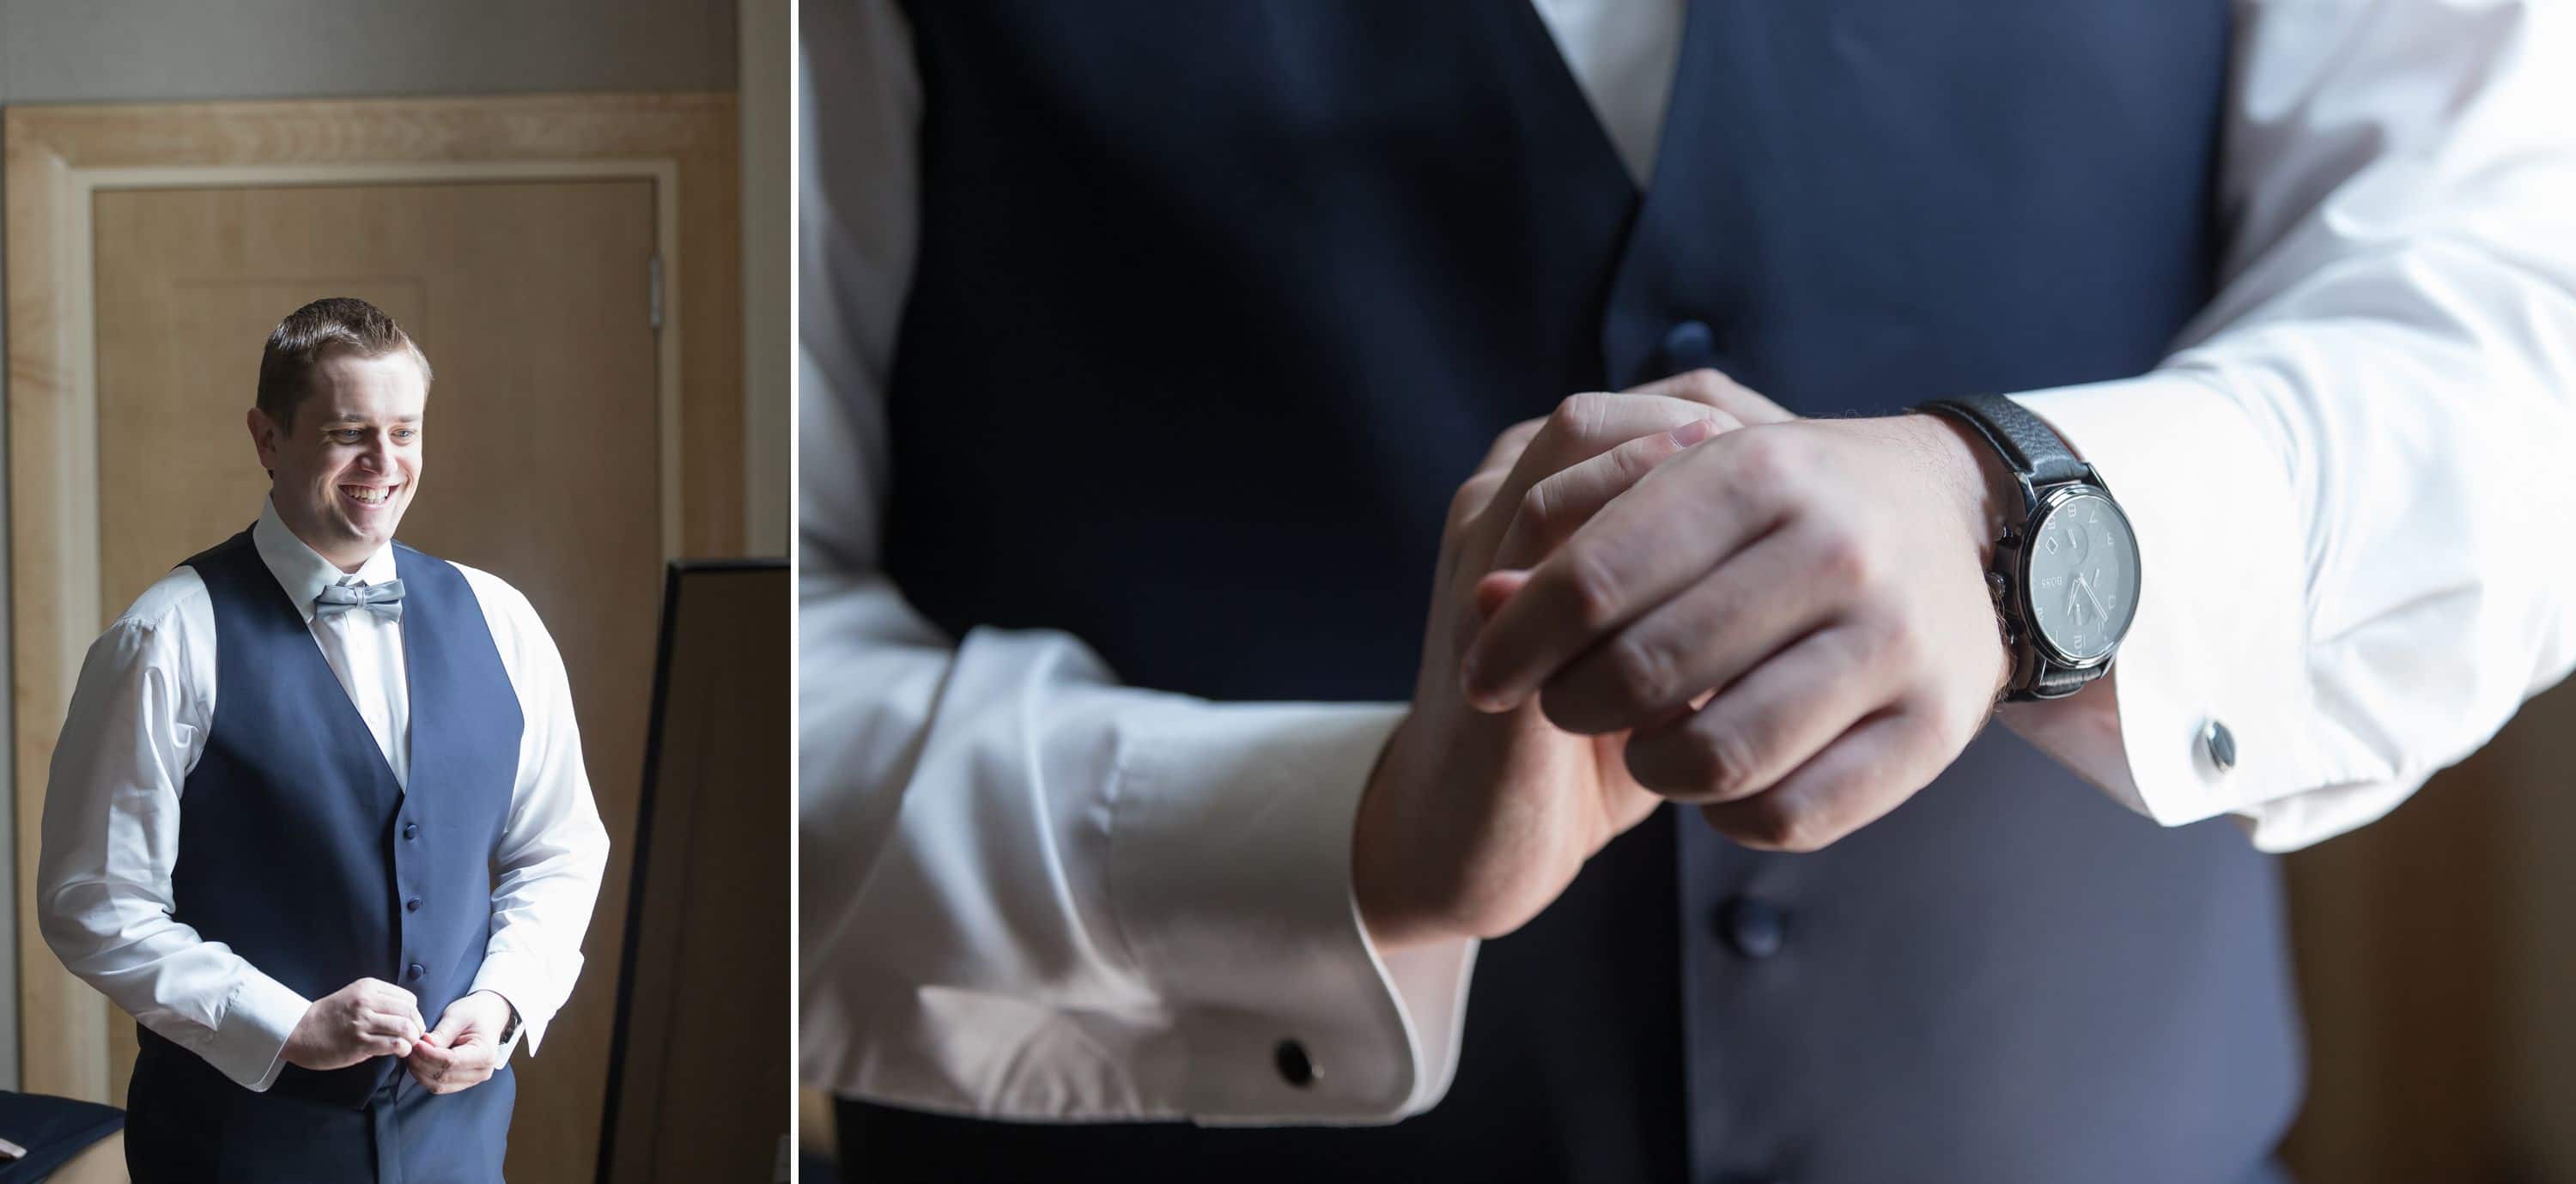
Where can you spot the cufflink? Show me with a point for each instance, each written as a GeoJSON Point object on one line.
{"type": "Point", "coordinates": [2220, 744]}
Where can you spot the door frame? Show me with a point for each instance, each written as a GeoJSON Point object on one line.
{"type": "Point", "coordinates": [57, 158]}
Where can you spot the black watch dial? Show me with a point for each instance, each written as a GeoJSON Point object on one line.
{"type": "Point", "coordinates": [2082, 576]}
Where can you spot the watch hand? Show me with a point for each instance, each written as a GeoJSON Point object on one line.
{"type": "Point", "coordinates": [2087, 586]}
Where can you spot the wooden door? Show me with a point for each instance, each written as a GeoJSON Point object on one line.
{"type": "Point", "coordinates": [541, 462]}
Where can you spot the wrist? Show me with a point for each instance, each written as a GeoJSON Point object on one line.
{"type": "Point", "coordinates": [1982, 487]}
{"type": "Point", "coordinates": [299, 1038]}
{"type": "Point", "coordinates": [1973, 478]}
{"type": "Point", "coordinates": [1377, 876]}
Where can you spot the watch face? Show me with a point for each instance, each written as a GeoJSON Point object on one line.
{"type": "Point", "coordinates": [2082, 577]}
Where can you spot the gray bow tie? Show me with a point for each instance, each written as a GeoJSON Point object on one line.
{"type": "Point", "coordinates": [384, 600]}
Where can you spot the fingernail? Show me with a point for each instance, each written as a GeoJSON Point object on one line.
{"type": "Point", "coordinates": [1694, 432]}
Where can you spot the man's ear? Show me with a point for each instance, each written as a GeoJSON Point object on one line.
{"type": "Point", "coordinates": [265, 436]}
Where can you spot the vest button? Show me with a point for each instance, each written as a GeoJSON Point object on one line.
{"type": "Point", "coordinates": [1688, 346]}
{"type": "Point", "coordinates": [415, 971]}
{"type": "Point", "coordinates": [412, 905]}
{"type": "Point", "coordinates": [411, 830]}
{"type": "Point", "coordinates": [1294, 1067]}
{"type": "Point", "coordinates": [1753, 926]}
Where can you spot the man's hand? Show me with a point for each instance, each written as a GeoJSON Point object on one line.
{"type": "Point", "coordinates": [367, 1018]}
{"type": "Point", "coordinates": [1473, 823]}
{"type": "Point", "coordinates": [465, 1048]}
{"type": "Point", "coordinates": [1823, 578]}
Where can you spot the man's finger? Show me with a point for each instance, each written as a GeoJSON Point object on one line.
{"type": "Point", "coordinates": [386, 1023]}
{"type": "Point", "coordinates": [1857, 779]}
{"type": "Point", "coordinates": [1768, 723]}
{"type": "Point", "coordinates": [1563, 501]}
{"type": "Point", "coordinates": [1495, 588]}
{"type": "Point", "coordinates": [384, 1046]}
{"type": "Point", "coordinates": [1705, 637]}
{"type": "Point", "coordinates": [1665, 532]}
{"type": "Point", "coordinates": [379, 995]}
{"type": "Point", "coordinates": [1476, 492]}
{"type": "Point", "coordinates": [1582, 427]}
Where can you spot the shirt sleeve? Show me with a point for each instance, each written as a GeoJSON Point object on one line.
{"type": "Point", "coordinates": [1026, 890]}
{"type": "Point", "coordinates": [2344, 481]}
{"type": "Point", "coordinates": [553, 849]}
{"type": "Point", "coordinates": [110, 839]}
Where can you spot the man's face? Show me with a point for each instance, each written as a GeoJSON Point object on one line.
{"type": "Point", "coordinates": [345, 465]}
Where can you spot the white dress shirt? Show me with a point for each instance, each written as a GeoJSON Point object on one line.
{"type": "Point", "coordinates": [1030, 891]}
{"type": "Point", "coordinates": [138, 722]}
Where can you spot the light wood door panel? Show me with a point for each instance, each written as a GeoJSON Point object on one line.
{"type": "Point", "coordinates": [541, 455]}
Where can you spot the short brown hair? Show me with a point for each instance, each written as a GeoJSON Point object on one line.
{"type": "Point", "coordinates": [331, 325]}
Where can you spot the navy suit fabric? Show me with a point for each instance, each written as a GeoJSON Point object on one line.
{"type": "Point", "coordinates": [1216, 305]}
{"type": "Point", "coordinates": [300, 850]}
{"type": "Point", "coordinates": [52, 1130]}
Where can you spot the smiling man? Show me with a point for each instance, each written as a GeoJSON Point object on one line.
{"type": "Point", "coordinates": [337, 903]}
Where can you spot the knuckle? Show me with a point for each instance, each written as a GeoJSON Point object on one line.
{"type": "Point", "coordinates": [1579, 416]}
{"type": "Point", "coordinates": [1841, 556]}
{"type": "Point", "coordinates": [1727, 759]}
{"type": "Point", "coordinates": [1707, 385]}
{"type": "Point", "coordinates": [1779, 824]}
{"type": "Point", "coordinates": [1641, 672]}
{"type": "Point", "coordinates": [1631, 461]}
{"type": "Point", "coordinates": [1898, 644]}
{"type": "Point", "coordinates": [1804, 831]}
{"type": "Point", "coordinates": [1540, 506]}
{"type": "Point", "coordinates": [1763, 461]}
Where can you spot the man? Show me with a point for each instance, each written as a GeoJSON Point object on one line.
{"type": "Point", "coordinates": [318, 818]}
{"type": "Point", "coordinates": [1148, 345]}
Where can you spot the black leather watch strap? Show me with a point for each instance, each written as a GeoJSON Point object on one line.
{"type": "Point", "coordinates": [2025, 442]}
{"type": "Point", "coordinates": [2056, 682]}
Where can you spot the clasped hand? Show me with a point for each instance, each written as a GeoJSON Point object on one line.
{"type": "Point", "coordinates": [372, 1018]}
{"type": "Point", "coordinates": [1680, 593]}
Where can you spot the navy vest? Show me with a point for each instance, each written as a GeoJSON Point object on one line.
{"type": "Point", "coordinates": [1215, 306]}
{"type": "Point", "coordinates": [299, 849]}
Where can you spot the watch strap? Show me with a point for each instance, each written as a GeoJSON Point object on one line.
{"type": "Point", "coordinates": [2055, 682]}
{"type": "Point", "coordinates": [2026, 443]}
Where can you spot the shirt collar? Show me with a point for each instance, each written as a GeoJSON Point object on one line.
{"type": "Point", "coordinates": [302, 571]}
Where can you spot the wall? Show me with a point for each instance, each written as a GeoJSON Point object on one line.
{"type": "Point", "coordinates": [768, 254]}
{"type": "Point", "coordinates": [108, 51]}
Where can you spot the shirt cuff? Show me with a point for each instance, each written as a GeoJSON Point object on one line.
{"type": "Point", "coordinates": [2219, 642]}
{"type": "Point", "coordinates": [515, 976]}
{"type": "Point", "coordinates": [248, 1043]}
{"type": "Point", "coordinates": [1230, 878]}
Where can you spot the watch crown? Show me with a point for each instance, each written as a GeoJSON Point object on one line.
{"type": "Point", "coordinates": [1995, 585]}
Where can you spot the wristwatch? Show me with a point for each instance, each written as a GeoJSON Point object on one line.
{"type": "Point", "coordinates": [2065, 573]}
